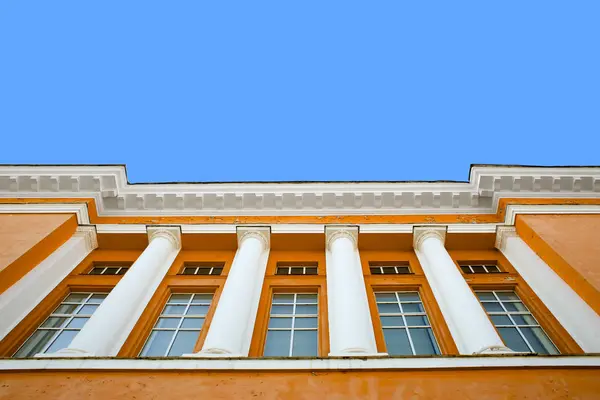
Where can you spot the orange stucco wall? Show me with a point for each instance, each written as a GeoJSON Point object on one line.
{"type": "Point", "coordinates": [416, 384]}
{"type": "Point", "coordinates": [26, 239]}
{"type": "Point", "coordinates": [569, 244]}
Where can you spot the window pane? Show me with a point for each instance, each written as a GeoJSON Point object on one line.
{"type": "Point", "coordinates": [63, 340]}
{"type": "Point", "coordinates": [478, 269]}
{"type": "Point", "coordinates": [311, 271]}
{"type": "Point", "coordinates": [307, 298]}
{"type": "Point", "coordinates": [122, 271]}
{"type": "Point", "coordinates": [305, 343]}
{"type": "Point", "coordinates": [65, 309]}
{"type": "Point", "coordinates": [515, 306]}
{"type": "Point", "coordinates": [392, 321]}
{"type": "Point", "coordinates": [297, 271]}
{"type": "Point", "coordinates": [278, 343]}
{"type": "Point", "coordinates": [96, 271]}
{"type": "Point", "coordinates": [389, 270]}
{"type": "Point", "coordinates": [282, 271]}
{"type": "Point", "coordinates": [418, 320]}
{"type": "Point", "coordinates": [180, 298]}
{"type": "Point", "coordinates": [388, 308]}
{"type": "Point", "coordinates": [283, 298]}
{"type": "Point", "coordinates": [184, 343]}
{"type": "Point", "coordinates": [403, 270]}
{"type": "Point", "coordinates": [539, 341]}
{"type": "Point", "coordinates": [168, 322]}
{"type": "Point", "coordinates": [192, 323]}
{"type": "Point", "coordinates": [54, 322]}
{"type": "Point", "coordinates": [77, 323]}
{"type": "Point", "coordinates": [507, 296]}
{"type": "Point", "coordinates": [97, 298]}
{"type": "Point", "coordinates": [88, 309]}
{"type": "Point", "coordinates": [524, 319]}
{"type": "Point", "coordinates": [375, 271]}
{"type": "Point", "coordinates": [306, 322]}
{"type": "Point", "coordinates": [493, 307]}
{"type": "Point", "coordinates": [35, 343]}
{"type": "Point", "coordinates": [203, 271]}
{"type": "Point", "coordinates": [174, 310]}
{"type": "Point", "coordinates": [197, 310]}
{"type": "Point", "coordinates": [513, 340]}
{"type": "Point", "coordinates": [465, 269]}
{"type": "Point", "coordinates": [492, 268]}
{"type": "Point", "coordinates": [385, 297]}
{"type": "Point", "coordinates": [485, 296]}
{"type": "Point", "coordinates": [424, 341]}
{"type": "Point", "coordinates": [275, 322]}
{"type": "Point", "coordinates": [501, 320]}
{"type": "Point", "coordinates": [306, 309]}
{"type": "Point", "coordinates": [157, 343]}
{"type": "Point", "coordinates": [409, 297]}
{"type": "Point", "coordinates": [396, 342]}
{"type": "Point", "coordinates": [189, 271]}
{"type": "Point", "coordinates": [217, 271]}
{"type": "Point", "coordinates": [111, 271]}
{"type": "Point", "coordinates": [282, 309]}
{"type": "Point", "coordinates": [202, 298]}
{"type": "Point", "coordinates": [412, 307]}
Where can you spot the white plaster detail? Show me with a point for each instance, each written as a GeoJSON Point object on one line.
{"type": "Point", "coordinates": [468, 322]}
{"type": "Point", "coordinates": [232, 325]}
{"type": "Point", "coordinates": [171, 233]}
{"type": "Point", "coordinates": [512, 210]}
{"type": "Point", "coordinates": [573, 313]}
{"type": "Point", "coordinates": [332, 233]}
{"type": "Point", "coordinates": [79, 209]}
{"type": "Point", "coordinates": [22, 297]}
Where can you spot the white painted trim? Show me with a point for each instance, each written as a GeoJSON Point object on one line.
{"type": "Point", "coordinates": [327, 364]}
{"type": "Point", "coordinates": [512, 210]}
{"type": "Point", "coordinates": [471, 228]}
{"type": "Point", "coordinates": [79, 209]}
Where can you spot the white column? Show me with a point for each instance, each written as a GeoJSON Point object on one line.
{"type": "Point", "coordinates": [21, 298]}
{"type": "Point", "coordinates": [468, 322]}
{"type": "Point", "coordinates": [232, 325]}
{"type": "Point", "coordinates": [573, 313]}
{"type": "Point", "coordinates": [106, 331]}
{"type": "Point", "coordinates": [350, 326]}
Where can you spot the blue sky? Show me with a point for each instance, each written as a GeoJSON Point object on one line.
{"type": "Point", "coordinates": [300, 90]}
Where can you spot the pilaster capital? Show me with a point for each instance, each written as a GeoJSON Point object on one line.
{"type": "Point", "coordinates": [171, 233]}
{"type": "Point", "coordinates": [503, 233]}
{"type": "Point", "coordinates": [420, 233]}
{"type": "Point", "coordinates": [262, 233]}
{"type": "Point", "coordinates": [88, 232]}
{"type": "Point", "coordinates": [332, 233]}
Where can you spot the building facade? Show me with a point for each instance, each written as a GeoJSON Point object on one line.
{"type": "Point", "coordinates": [488, 288]}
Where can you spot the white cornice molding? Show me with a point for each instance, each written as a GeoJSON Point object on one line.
{"type": "Point", "coordinates": [80, 210]}
{"type": "Point", "coordinates": [88, 232]}
{"type": "Point", "coordinates": [262, 233]}
{"type": "Point", "coordinates": [171, 233]}
{"type": "Point", "coordinates": [334, 232]}
{"type": "Point", "coordinates": [420, 233]}
{"type": "Point", "coordinates": [512, 210]}
{"type": "Point", "coordinates": [503, 233]}
{"type": "Point", "coordinates": [116, 197]}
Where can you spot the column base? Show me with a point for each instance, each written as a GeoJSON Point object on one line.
{"type": "Point", "coordinates": [495, 350]}
{"type": "Point", "coordinates": [65, 353]}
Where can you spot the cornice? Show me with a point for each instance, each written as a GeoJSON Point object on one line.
{"type": "Point", "coordinates": [332, 233]}
{"type": "Point", "coordinates": [503, 233]}
{"type": "Point", "coordinates": [88, 232]}
{"type": "Point", "coordinates": [171, 233]}
{"type": "Point", "coordinates": [420, 233]}
{"type": "Point", "coordinates": [262, 233]}
{"type": "Point", "coordinates": [114, 196]}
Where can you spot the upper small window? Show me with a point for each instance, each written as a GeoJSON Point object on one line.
{"type": "Point", "coordinates": [297, 269]}
{"type": "Point", "coordinates": [390, 269]}
{"type": "Point", "coordinates": [190, 269]}
{"type": "Point", "coordinates": [477, 268]}
{"type": "Point", "coordinates": [108, 269]}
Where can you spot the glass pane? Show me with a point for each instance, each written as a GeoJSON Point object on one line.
{"type": "Point", "coordinates": [465, 269]}
{"type": "Point", "coordinates": [412, 307]}
{"type": "Point", "coordinates": [392, 321]}
{"type": "Point", "coordinates": [311, 270]}
{"type": "Point", "coordinates": [281, 309]}
{"type": "Point", "coordinates": [192, 323]}
{"type": "Point", "coordinates": [180, 298]}
{"type": "Point", "coordinates": [493, 307]}
{"type": "Point", "coordinates": [111, 271]}
{"type": "Point", "coordinates": [306, 309]}
{"type": "Point", "coordinates": [96, 271]}
{"type": "Point", "coordinates": [283, 298]}
{"type": "Point", "coordinates": [297, 271]}
{"type": "Point", "coordinates": [409, 297]}
{"type": "Point", "coordinates": [507, 296]}
{"type": "Point", "coordinates": [278, 343]}
{"type": "Point", "coordinates": [403, 270]}
{"type": "Point", "coordinates": [375, 271]}
{"type": "Point", "coordinates": [77, 323]}
{"type": "Point", "coordinates": [485, 296]}
{"type": "Point", "coordinates": [306, 323]}
{"type": "Point", "coordinates": [524, 319]}
{"type": "Point", "coordinates": [88, 309]}
{"type": "Point", "coordinates": [202, 298]}
{"type": "Point", "coordinates": [189, 271]}
{"type": "Point", "coordinates": [513, 339]}
{"type": "Point", "coordinates": [282, 271]}
{"type": "Point", "coordinates": [184, 343]}
{"type": "Point", "coordinates": [388, 308]}
{"type": "Point", "coordinates": [65, 309]}
{"type": "Point", "coordinates": [305, 343]}
{"type": "Point", "coordinates": [389, 270]}
{"type": "Point", "coordinates": [478, 269]}
{"type": "Point", "coordinates": [122, 271]}
{"type": "Point", "coordinates": [35, 343]}
{"type": "Point", "coordinates": [217, 271]}
{"type": "Point", "coordinates": [168, 322]}
{"type": "Point", "coordinates": [515, 306]}
{"type": "Point", "coordinates": [174, 310]}
{"type": "Point", "coordinates": [396, 342]}
{"type": "Point", "coordinates": [97, 298]}
{"type": "Point", "coordinates": [501, 320]}
{"type": "Point", "coordinates": [307, 298]}
{"type": "Point", "coordinates": [423, 341]}
{"type": "Point", "coordinates": [62, 341]}
{"type": "Point", "coordinates": [275, 322]}
{"type": "Point", "coordinates": [203, 271]}
{"type": "Point", "coordinates": [54, 322]}
{"type": "Point", "coordinates": [385, 297]}
{"type": "Point", "coordinates": [492, 268]}
{"type": "Point", "coordinates": [197, 310]}
{"type": "Point", "coordinates": [157, 344]}
{"type": "Point", "coordinates": [416, 320]}
{"type": "Point", "coordinates": [539, 341]}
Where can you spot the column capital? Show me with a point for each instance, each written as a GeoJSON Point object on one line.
{"type": "Point", "coordinates": [503, 233]}
{"type": "Point", "coordinates": [262, 233]}
{"type": "Point", "coordinates": [171, 233]}
{"type": "Point", "coordinates": [88, 232]}
{"type": "Point", "coordinates": [335, 232]}
{"type": "Point", "coordinates": [420, 233]}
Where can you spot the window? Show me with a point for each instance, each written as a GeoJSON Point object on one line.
{"type": "Point", "coordinates": [406, 328]}
{"type": "Point", "coordinates": [59, 329]}
{"type": "Point", "coordinates": [216, 269]}
{"type": "Point", "coordinates": [296, 270]}
{"type": "Point", "coordinates": [293, 325]}
{"type": "Point", "coordinates": [178, 327]}
{"type": "Point", "coordinates": [519, 330]}
{"type": "Point", "coordinates": [479, 268]}
{"type": "Point", "coordinates": [389, 269]}
{"type": "Point", "coordinates": [108, 270]}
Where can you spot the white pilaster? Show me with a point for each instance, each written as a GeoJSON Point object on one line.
{"type": "Point", "coordinates": [350, 326]}
{"type": "Point", "coordinates": [232, 325]}
{"type": "Point", "coordinates": [106, 331]}
{"type": "Point", "coordinates": [573, 313]}
{"type": "Point", "coordinates": [22, 297]}
{"type": "Point", "coordinates": [468, 322]}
